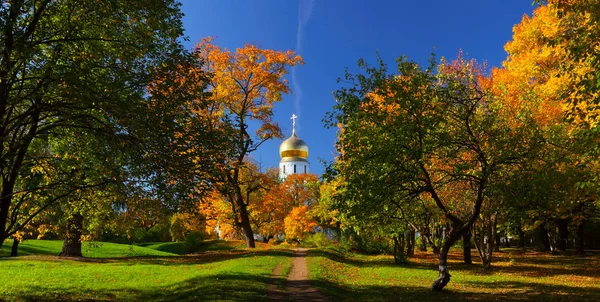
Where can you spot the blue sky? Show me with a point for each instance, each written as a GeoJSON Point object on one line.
{"type": "Point", "coordinates": [332, 35]}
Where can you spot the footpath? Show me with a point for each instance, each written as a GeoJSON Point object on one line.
{"type": "Point", "coordinates": [297, 286]}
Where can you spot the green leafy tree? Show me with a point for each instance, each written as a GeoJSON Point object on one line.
{"type": "Point", "coordinates": [73, 64]}
{"type": "Point", "coordinates": [426, 136]}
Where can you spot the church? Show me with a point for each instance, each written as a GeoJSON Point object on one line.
{"type": "Point", "coordinates": [294, 154]}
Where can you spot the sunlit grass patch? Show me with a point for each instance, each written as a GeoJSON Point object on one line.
{"type": "Point", "coordinates": [230, 275]}
{"type": "Point", "coordinates": [88, 249]}
{"type": "Point", "coordinates": [515, 275]}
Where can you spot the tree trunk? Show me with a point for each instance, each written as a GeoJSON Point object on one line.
{"type": "Point", "coordinates": [466, 237]}
{"type": "Point", "coordinates": [5, 201]}
{"type": "Point", "coordinates": [542, 234]}
{"type": "Point", "coordinates": [444, 276]}
{"type": "Point", "coordinates": [410, 243]}
{"type": "Point", "coordinates": [72, 244]}
{"type": "Point", "coordinates": [521, 236]}
{"type": "Point", "coordinates": [563, 234]}
{"type": "Point", "coordinates": [423, 245]}
{"type": "Point", "coordinates": [506, 241]}
{"type": "Point", "coordinates": [497, 238]}
{"type": "Point", "coordinates": [399, 250]}
{"type": "Point", "coordinates": [579, 239]}
{"type": "Point", "coordinates": [245, 222]}
{"type": "Point", "coordinates": [8, 182]}
{"type": "Point", "coordinates": [15, 247]}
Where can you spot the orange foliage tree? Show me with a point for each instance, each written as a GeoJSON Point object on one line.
{"type": "Point", "coordinates": [548, 75]}
{"type": "Point", "coordinates": [299, 223]}
{"type": "Point", "coordinates": [269, 212]}
{"type": "Point", "coordinates": [244, 87]}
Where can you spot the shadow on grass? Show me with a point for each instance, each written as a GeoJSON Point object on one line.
{"type": "Point", "coordinates": [499, 290]}
{"type": "Point", "coordinates": [342, 258]}
{"type": "Point", "coordinates": [230, 287]}
{"type": "Point", "coordinates": [180, 248]}
{"type": "Point", "coordinates": [207, 257]}
{"type": "Point", "coordinates": [31, 250]}
{"type": "Point", "coordinates": [535, 264]}
{"type": "Point", "coordinates": [525, 292]}
{"type": "Point", "coordinates": [248, 287]}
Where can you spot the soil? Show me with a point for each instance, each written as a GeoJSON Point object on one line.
{"type": "Point", "coordinates": [297, 286]}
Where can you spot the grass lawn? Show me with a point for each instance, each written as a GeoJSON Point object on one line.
{"type": "Point", "coordinates": [222, 275]}
{"type": "Point", "coordinates": [88, 249]}
{"type": "Point", "coordinates": [515, 276]}
{"type": "Point", "coordinates": [222, 270]}
{"type": "Point", "coordinates": [179, 248]}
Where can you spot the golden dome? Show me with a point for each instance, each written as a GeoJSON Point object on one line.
{"type": "Point", "coordinates": [293, 147]}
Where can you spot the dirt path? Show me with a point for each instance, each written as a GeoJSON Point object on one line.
{"type": "Point", "coordinates": [297, 287]}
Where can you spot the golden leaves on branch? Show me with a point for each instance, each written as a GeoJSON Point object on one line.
{"type": "Point", "coordinates": [248, 81]}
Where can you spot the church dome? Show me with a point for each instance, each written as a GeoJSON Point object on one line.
{"type": "Point", "coordinates": [293, 147]}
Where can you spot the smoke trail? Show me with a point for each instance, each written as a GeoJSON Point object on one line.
{"type": "Point", "coordinates": [305, 9]}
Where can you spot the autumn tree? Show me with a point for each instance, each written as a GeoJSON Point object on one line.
{"type": "Point", "coordinates": [218, 215]}
{"type": "Point", "coordinates": [575, 33]}
{"type": "Point", "coordinates": [269, 211]}
{"type": "Point", "coordinates": [73, 65]}
{"type": "Point", "coordinates": [412, 135]}
{"type": "Point", "coordinates": [244, 87]}
{"type": "Point", "coordinates": [298, 223]}
{"type": "Point", "coordinates": [551, 76]}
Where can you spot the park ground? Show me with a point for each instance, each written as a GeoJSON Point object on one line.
{"type": "Point", "coordinates": [226, 271]}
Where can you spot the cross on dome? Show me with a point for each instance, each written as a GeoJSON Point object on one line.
{"type": "Point", "coordinates": [293, 118]}
{"type": "Point", "coordinates": [294, 154]}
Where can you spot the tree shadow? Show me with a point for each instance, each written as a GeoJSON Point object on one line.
{"type": "Point", "coordinates": [204, 258]}
{"type": "Point", "coordinates": [32, 250]}
{"type": "Point", "coordinates": [230, 287]}
{"type": "Point", "coordinates": [339, 257]}
{"type": "Point", "coordinates": [534, 264]}
{"type": "Point", "coordinates": [506, 291]}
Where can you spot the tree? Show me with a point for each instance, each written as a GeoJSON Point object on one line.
{"type": "Point", "coordinates": [218, 215]}
{"type": "Point", "coordinates": [550, 72]}
{"type": "Point", "coordinates": [298, 223]}
{"type": "Point", "coordinates": [279, 199]}
{"type": "Point", "coordinates": [244, 87]}
{"type": "Point", "coordinates": [576, 34]}
{"type": "Point", "coordinates": [73, 65]}
{"type": "Point", "coordinates": [421, 136]}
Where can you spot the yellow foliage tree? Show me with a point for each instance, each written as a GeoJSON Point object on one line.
{"type": "Point", "coordinates": [271, 207]}
{"type": "Point", "coordinates": [244, 87]}
{"type": "Point", "coordinates": [298, 224]}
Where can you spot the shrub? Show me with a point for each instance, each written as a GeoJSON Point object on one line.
{"type": "Point", "coordinates": [193, 240]}
{"type": "Point", "coordinates": [177, 229]}
{"type": "Point", "coordinates": [318, 240]}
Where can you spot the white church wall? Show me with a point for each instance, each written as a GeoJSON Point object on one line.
{"type": "Point", "coordinates": [289, 168]}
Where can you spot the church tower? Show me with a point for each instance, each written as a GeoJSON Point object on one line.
{"type": "Point", "coordinates": [294, 154]}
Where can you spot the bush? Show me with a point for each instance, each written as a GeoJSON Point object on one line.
{"type": "Point", "coordinates": [367, 243]}
{"type": "Point", "coordinates": [318, 240]}
{"type": "Point", "coordinates": [193, 241]}
{"type": "Point", "coordinates": [177, 229]}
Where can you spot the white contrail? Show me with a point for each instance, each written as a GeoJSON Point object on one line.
{"type": "Point", "coordinates": [305, 8]}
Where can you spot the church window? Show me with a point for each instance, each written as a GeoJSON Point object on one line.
{"type": "Point", "coordinates": [304, 168]}
{"type": "Point", "coordinates": [294, 168]}
{"type": "Point", "coordinates": [283, 169]}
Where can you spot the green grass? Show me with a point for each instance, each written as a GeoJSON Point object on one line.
{"type": "Point", "coordinates": [227, 271]}
{"type": "Point", "coordinates": [180, 248]}
{"type": "Point", "coordinates": [515, 276]}
{"type": "Point", "coordinates": [226, 275]}
{"type": "Point", "coordinates": [110, 250]}
{"type": "Point", "coordinates": [88, 249]}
